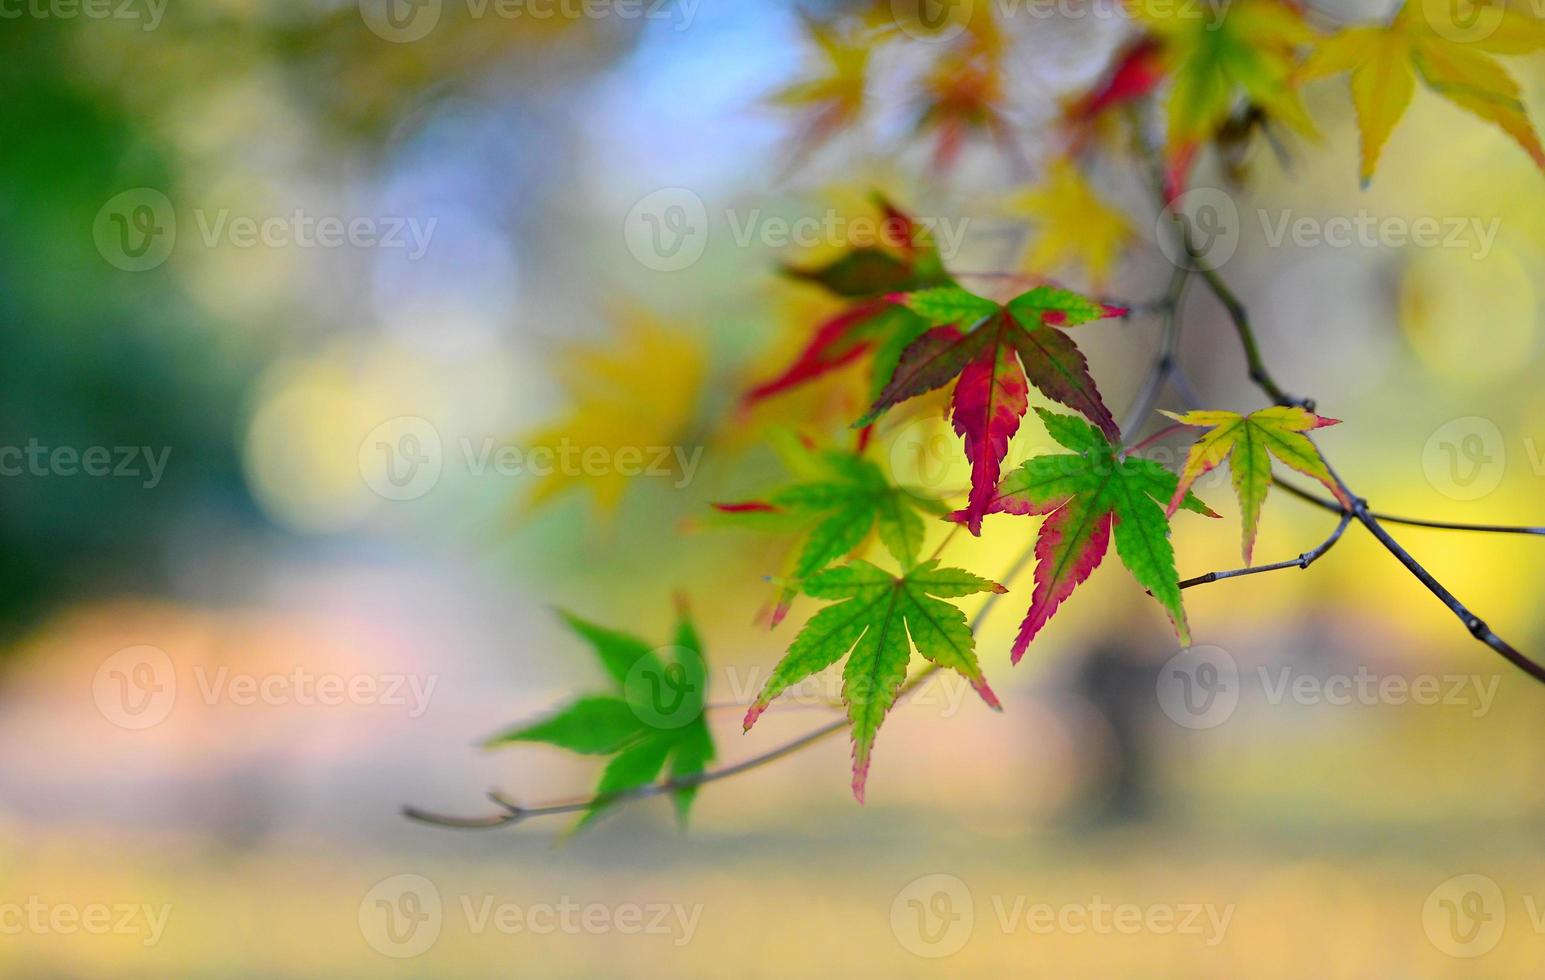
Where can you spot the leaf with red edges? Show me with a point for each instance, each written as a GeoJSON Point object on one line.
{"type": "Point", "coordinates": [1088, 496]}
{"type": "Point", "coordinates": [996, 351]}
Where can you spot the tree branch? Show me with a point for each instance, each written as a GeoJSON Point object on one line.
{"type": "Point", "coordinates": [514, 812]}
{"type": "Point", "coordinates": [1332, 505]}
{"type": "Point", "coordinates": [1302, 561]}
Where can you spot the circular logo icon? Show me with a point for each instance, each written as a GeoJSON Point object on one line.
{"type": "Point", "coordinates": [1200, 227]}
{"type": "Point", "coordinates": [401, 916]}
{"type": "Point", "coordinates": [667, 690]}
{"type": "Point", "coordinates": [926, 458]}
{"type": "Point", "coordinates": [135, 230]}
{"type": "Point", "coordinates": [933, 916]}
{"type": "Point", "coordinates": [1464, 917]}
{"type": "Point", "coordinates": [1199, 687]}
{"type": "Point", "coordinates": [668, 230]}
{"type": "Point", "coordinates": [1465, 459]}
{"type": "Point", "coordinates": [1464, 21]}
{"type": "Point", "coordinates": [936, 21]}
{"type": "Point", "coordinates": [401, 458]}
{"type": "Point", "coordinates": [400, 21]}
{"type": "Point", "coordinates": [136, 687]}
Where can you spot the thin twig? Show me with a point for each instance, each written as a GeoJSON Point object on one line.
{"type": "Point", "coordinates": [1333, 505]}
{"type": "Point", "coordinates": [1302, 561]}
{"type": "Point", "coordinates": [514, 812]}
{"type": "Point", "coordinates": [1164, 362]}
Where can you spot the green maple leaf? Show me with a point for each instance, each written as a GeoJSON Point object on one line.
{"type": "Point", "coordinates": [651, 721]}
{"type": "Point", "coordinates": [1085, 497]}
{"type": "Point", "coordinates": [871, 624]}
{"type": "Point", "coordinates": [844, 498]}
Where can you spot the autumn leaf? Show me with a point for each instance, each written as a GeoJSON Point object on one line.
{"type": "Point", "coordinates": [996, 351]}
{"type": "Point", "coordinates": [1075, 229]}
{"type": "Point", "coordinates": [875, 614]}
{"type": "Point", "coordinates": [1084, 497]}
{"type": "Point", "coordinates": [873, 325]}
{"type": "Point", "coordinates": [833, 98]}
{"type": "Point", "coordinates": [961, 96]}
{"type": "Point", "coordinates": [845, 498]}
{"type": "Point", "coordinates": [650, 721]}
{"type": "Point", "coordinates": [1217, 55]}
{"type": "Point", "coordinates": [1385, 61]}
{"type": "Point", "coordinates": [638, 392]}
{"type": "Point", "coordinates": [1248, 442]}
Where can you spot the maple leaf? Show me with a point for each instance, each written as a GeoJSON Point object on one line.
{"type": "Point", "coordinates": [1385, 61]}
{"type": "Point", "coordinates": [1249, 442]}
{"type": "Point", "coordinates": [651, 721]}
{"type": "Point", "coordinates": [833, 99]}
{"type": "Point", "coordinates": [638, 392]}
{"type": "Point", "coordinates": [873, 323]}
{"type": "Point", "coordinates": [1084, 497]}
{"type": "Point", "coordinates": [997, 350]}
{"type": "Point", "coordinates": [1075, 228]}
{"type": "Point", "coordinates": [961, 95]}
{"type": "Point", "coordinates": [843, 500]}
{"type": "Point", "coordinates": [871, 624]}
{"type": "Point", "coordinates": [1213, 63]}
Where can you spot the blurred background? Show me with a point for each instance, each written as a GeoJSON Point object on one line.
{"type": "Point", "coordinates": [287, 288]}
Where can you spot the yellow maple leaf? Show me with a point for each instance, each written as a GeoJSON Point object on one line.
{"type": "Point", "coordinates": [1427, 40]}
{"type": "Point", "coordinates": [833, 97]}
{"type": "Point", "coordinates": [629, 399]}
{"type": "Point", "coordinates": [1075, 228]}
